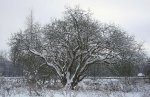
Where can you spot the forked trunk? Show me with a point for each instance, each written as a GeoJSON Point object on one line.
{"type": "Point", "coordinates": [69, 84]}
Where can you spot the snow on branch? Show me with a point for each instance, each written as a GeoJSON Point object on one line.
{"type": "Point", "coordinates": [58, 70]}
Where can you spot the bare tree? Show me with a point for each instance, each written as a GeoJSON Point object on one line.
{"type": "Point", "coordinates": [3, 54]}
{"type": "Point", "coordinates": [71, 45]}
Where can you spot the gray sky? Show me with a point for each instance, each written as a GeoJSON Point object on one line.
{"type": "Point", "coordinates": [132, 15]}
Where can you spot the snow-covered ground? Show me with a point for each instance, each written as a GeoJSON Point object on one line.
{"type": "Point", "coordinates": [60, 93]}
{"type": "Point", "coordinates": [87, 88]}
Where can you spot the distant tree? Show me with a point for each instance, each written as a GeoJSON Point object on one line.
{"type": "Point", "coordinates": [6, 67]}
{"type": "Point", "coordinates": [71, 45]}
{"type": "Point", "coordinates": [146, 69]}
{"type": "Point", "coordinates": [3, 54]}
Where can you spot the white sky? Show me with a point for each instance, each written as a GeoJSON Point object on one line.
{"type": "Point", "coordinates": [132, 15]}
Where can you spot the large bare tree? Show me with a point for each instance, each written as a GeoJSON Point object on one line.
{"type": "Point", "coordinates": [70, 45]}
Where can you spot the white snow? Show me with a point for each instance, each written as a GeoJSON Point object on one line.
{"type": "Point", "coordinates": [140, 75]}
{"type": "Point", "coordinates": [81, 94]}
{"type": "Point", "coordinates": [10, 89]}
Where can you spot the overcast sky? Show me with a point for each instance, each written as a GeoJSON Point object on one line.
{"type": "Point", "coordinates": [132, 15]}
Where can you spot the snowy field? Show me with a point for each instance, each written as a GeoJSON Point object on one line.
{"type": "Point", "coordinates": [17, 87]}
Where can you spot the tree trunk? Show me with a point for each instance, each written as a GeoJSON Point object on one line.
{"type": "Point", "coordinates": [70, 86]}
{"type": "Point", "coordinates": [64, 81]}
{"type": "Point", "coordinates": [67, 84]}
